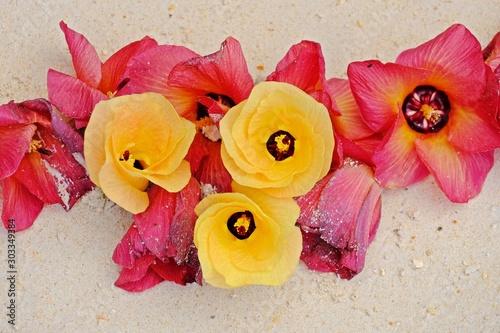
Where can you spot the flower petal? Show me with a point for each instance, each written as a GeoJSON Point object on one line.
{"type": "Point", "coordinates": [19, 204]}
{"type": "Point", "coordinates": [85, 59]}
{"type": "Point", "coordinates": [396, 160]}
{"type": "Point", "coordinates": [491, 53]}
{"type": "Point", "coordinates": [453, 56]}
{"type": "Point", "coordinates": [380, 89]}
{"type": "Point", "coordinates": [14, 143]}
{"type": "Point", "coordinates": [171, 271]}
{"type": "Point", "coordinates": [459, 175]}
{"type": "Point", "coordinates": [140, 277]}
{"type": "Point", "coordinates": [114, 67]}
{"type": "Point", "coordinates": [74, 98]}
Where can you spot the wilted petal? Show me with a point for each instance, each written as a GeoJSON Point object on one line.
{"type": "Point", "coordinates": [74, 98]}
{"type": "Point", "coordinates": [460, 175]}
{"type": "Point", "coordinates": [14, 143]}
{"type": "Point", "coordinates": [396, 160]}
{"type": "Point", "coordinates": [171, 271]}
{"type": "Point", "coordinates": [140, 277]}
{"type": "Point", "coordinates": [19, 204]}
{"type": "Point", "coordinates": [85, 59]}
{"type": "Point", "coordinates": [380, 89]}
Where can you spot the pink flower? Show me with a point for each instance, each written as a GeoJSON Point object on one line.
{"type": "Point", "coordinates": [339, 218]}
{"type": "Point", "coordinates": [40, 162]}
{"type": "Point", "coordinates": [491, 55]}
{"type": "Point", "coordinates": [159, 245]}
{"type": "Point", "coordinates": [436, 107]}
{"type": "Point", "coordinates": [76, 96]}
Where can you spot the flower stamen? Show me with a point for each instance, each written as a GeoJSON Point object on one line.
{"type": "Point", "coordinates": [281, 145]}
{"type": "Point", "coordinates": [426, 109]}
{"type": "Point", "coordinates": [241, 224]}
{"type": "Point", "coordinates": [127, 158]}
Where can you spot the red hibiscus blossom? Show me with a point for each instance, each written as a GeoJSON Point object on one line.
{"type": "Point", "coordinates": [159, 244]}
{"type": "Point", "coordinates": [436, 107]}
{"type": "Point", "coordinates": [41, 162]}
{"type": "Point", "coordinates": [76, 96]}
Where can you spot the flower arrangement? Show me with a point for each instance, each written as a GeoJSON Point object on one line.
{"type": "Point", "coordinates": [233, 182]}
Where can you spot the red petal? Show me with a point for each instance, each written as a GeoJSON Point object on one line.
{"type": "Point", "coordinates": [140, 277]}
{"type": "Point", "coordinates": [14, 143]}
{"type": "Point", "coordinates": [19, 204]}
{"type": "Point", "coordinates": [85, 59]}
{"type": "Point", "coordinates": [197, 150]}
{"type": "Point", "coordinates": [348, 122]}
{"type": "Point", "coordinates": [33, 174]}
{"type": "Point", "coordinates": [460, 175]}
{"type": "Point", "coordinates": [114, 67]}
{"type": "Point", "coordinates": [74, 98]}
{"type": "Point", "coordinates": [491, 53]}
{"type": "Point", "coordinates": [380, 90]}
{"type": "Point", "coordinates": [455, 58]}
{"type": "Point", "coordinates": [396, 160]}
{"type": "Point", "coordinates": [212, 171]}
{"type": "Point", "coordinates": [154, 223]}
{"type": "Point", "coordinates": [129, 248]}
{"type": "Point", "coordinates": [170, 271]}
{"type": "Point", "coordinates": [224, 72]}
{"type": "Point", "coordinates": [27, 112]}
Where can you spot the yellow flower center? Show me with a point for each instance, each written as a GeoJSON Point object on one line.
{"type": "Point", "coordinates": [430, 113]}
{"type": "Point", "coordinates": [241, 224]}
{"type": "Point", "coordinates": [35, 145]}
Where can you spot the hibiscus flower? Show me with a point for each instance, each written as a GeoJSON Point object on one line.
{"type": "Point", "coordinates": [41, 162]}
{"type": "Point", "coordinates": [436, 107]}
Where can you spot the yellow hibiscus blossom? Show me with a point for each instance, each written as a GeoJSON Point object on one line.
{"type": "Point", "coordinates": [279, 140]}
{"type": "Point", "coordinates": [247, 237]}
{"type": "Point", "coordinates": [133, 140]}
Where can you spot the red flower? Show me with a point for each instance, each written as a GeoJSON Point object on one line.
{"type": "Point", "coordinates": [76, 96]}
{"type": "Point", "coordinates": [159, 245]}
{"type": "Point", "coordinates": [491, 55]}
{"type": "Point", "coordinates": [40, 163]}
{"type": "Point", "coordinates": [339, 218]}
{"type": "Point", "coordinates": [436, 107]}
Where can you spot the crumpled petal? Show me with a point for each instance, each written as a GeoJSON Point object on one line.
{"type": "Point", "coordinates": [460, 175]}
{"type": "Point", "coordinates": [14, 143]}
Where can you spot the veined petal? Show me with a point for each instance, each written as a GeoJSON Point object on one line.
{"type": "Point", "coordinates": [460, 175]}
{"type": "Point", "coordinates": [223, 72]}
{"type": "Point", "coordinates": [456, 55]}
{"type": "Point", "coordinates": [19, 205]}
{"type": "Point", "coordinates": [396, 160]}
{"type": "Point", "coordinates": [85, 59]}
{"type": "Point", "coordinates": [348, 123]}
{"type": "Point", "coordinates": [27, 112]}
{"type": "Point", "coordinates": [140, 277]}
{"type": "Point", "coordinates": [15, 141]}
{"type": "Point", "coordinates": [171, 271]}
{"type": "Point", "coordinates": [114, 67]}
{"type": "Point", "coordinates": [380, 89]}
{"type": "Point", "coordinates": [73, 97]}
{"type": "Point", "coordinates": [491, 53]}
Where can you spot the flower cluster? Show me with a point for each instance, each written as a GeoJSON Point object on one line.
{"type": "Point", "coordinates": [232, 182]}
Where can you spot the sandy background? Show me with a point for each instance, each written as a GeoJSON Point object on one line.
{"type": "Point", "coordinates": [65, 272]}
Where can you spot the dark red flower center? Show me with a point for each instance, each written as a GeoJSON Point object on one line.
{"type": "Point", "coordinates": [241, 224]}
{"type": "Point", "coordinates": [135, 163]}
{"type": "Point", "coordinates": [426, 109]}
{"type": "Point", "coordinates": [281, 145]}
{"type": "Point", "coordinates": [225, 102]}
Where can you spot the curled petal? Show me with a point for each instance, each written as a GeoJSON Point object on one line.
{"type": "Point", "coordinates": [18, 205]}
{"type": "Point", "coordinates": [396, 160]}
{"type": "Point", "coordinates": [460, 175]}
{"type": "Point", "coordinates": [140, 276]}
{"type": "Point", "coordinates": [15, 141]}
{"type": "Point", "coordinates": [491, 53]}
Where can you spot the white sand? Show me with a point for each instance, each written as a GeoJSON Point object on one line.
{"type": "Point", "coordinates": [65, 271]}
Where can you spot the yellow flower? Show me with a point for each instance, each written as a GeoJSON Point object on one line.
{"type": "Point", "coordinates": [133, 140]}
{"type": "Point", "coordinates": [247, 238]}
{"type": "Point", "coordinates": [279, 140]}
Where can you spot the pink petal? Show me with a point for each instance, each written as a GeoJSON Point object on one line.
{"type": "Point", "coordinates": [348, 122]}
{"type": "Point", "coordinates": [223, 72]}
{"type": "Point", "coordinates": [380, 90]}
{"type": "Point", "coordinates": [149, 70]}
{"type": "Point", "coordinates": [14, 143]}
{"type": "Point", "coordinates": [453, 56]}
{"type": "Point", "coordinates": [115, 66]}
{"type": "Point", "coordinates": [396, 160]}
{"type": "Point", "coordinates": [491, 53]}
{"type": "Point", "coordinates": [212, 171]}
{"type": "Point", "coordinates": [459, 175]}
{"type": "Point", "coordinates": [19, 204]}
{"type": "Point", "coordinates": [27, 112]}
{"type": "Point", "coordinates": [140, 277]}
{"type": "Point", "coordinates": [85, 59]}
{"type": "Point", "coordinates": [74, 98]}
{"type": "Point", "coordinates": [154, 223]}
